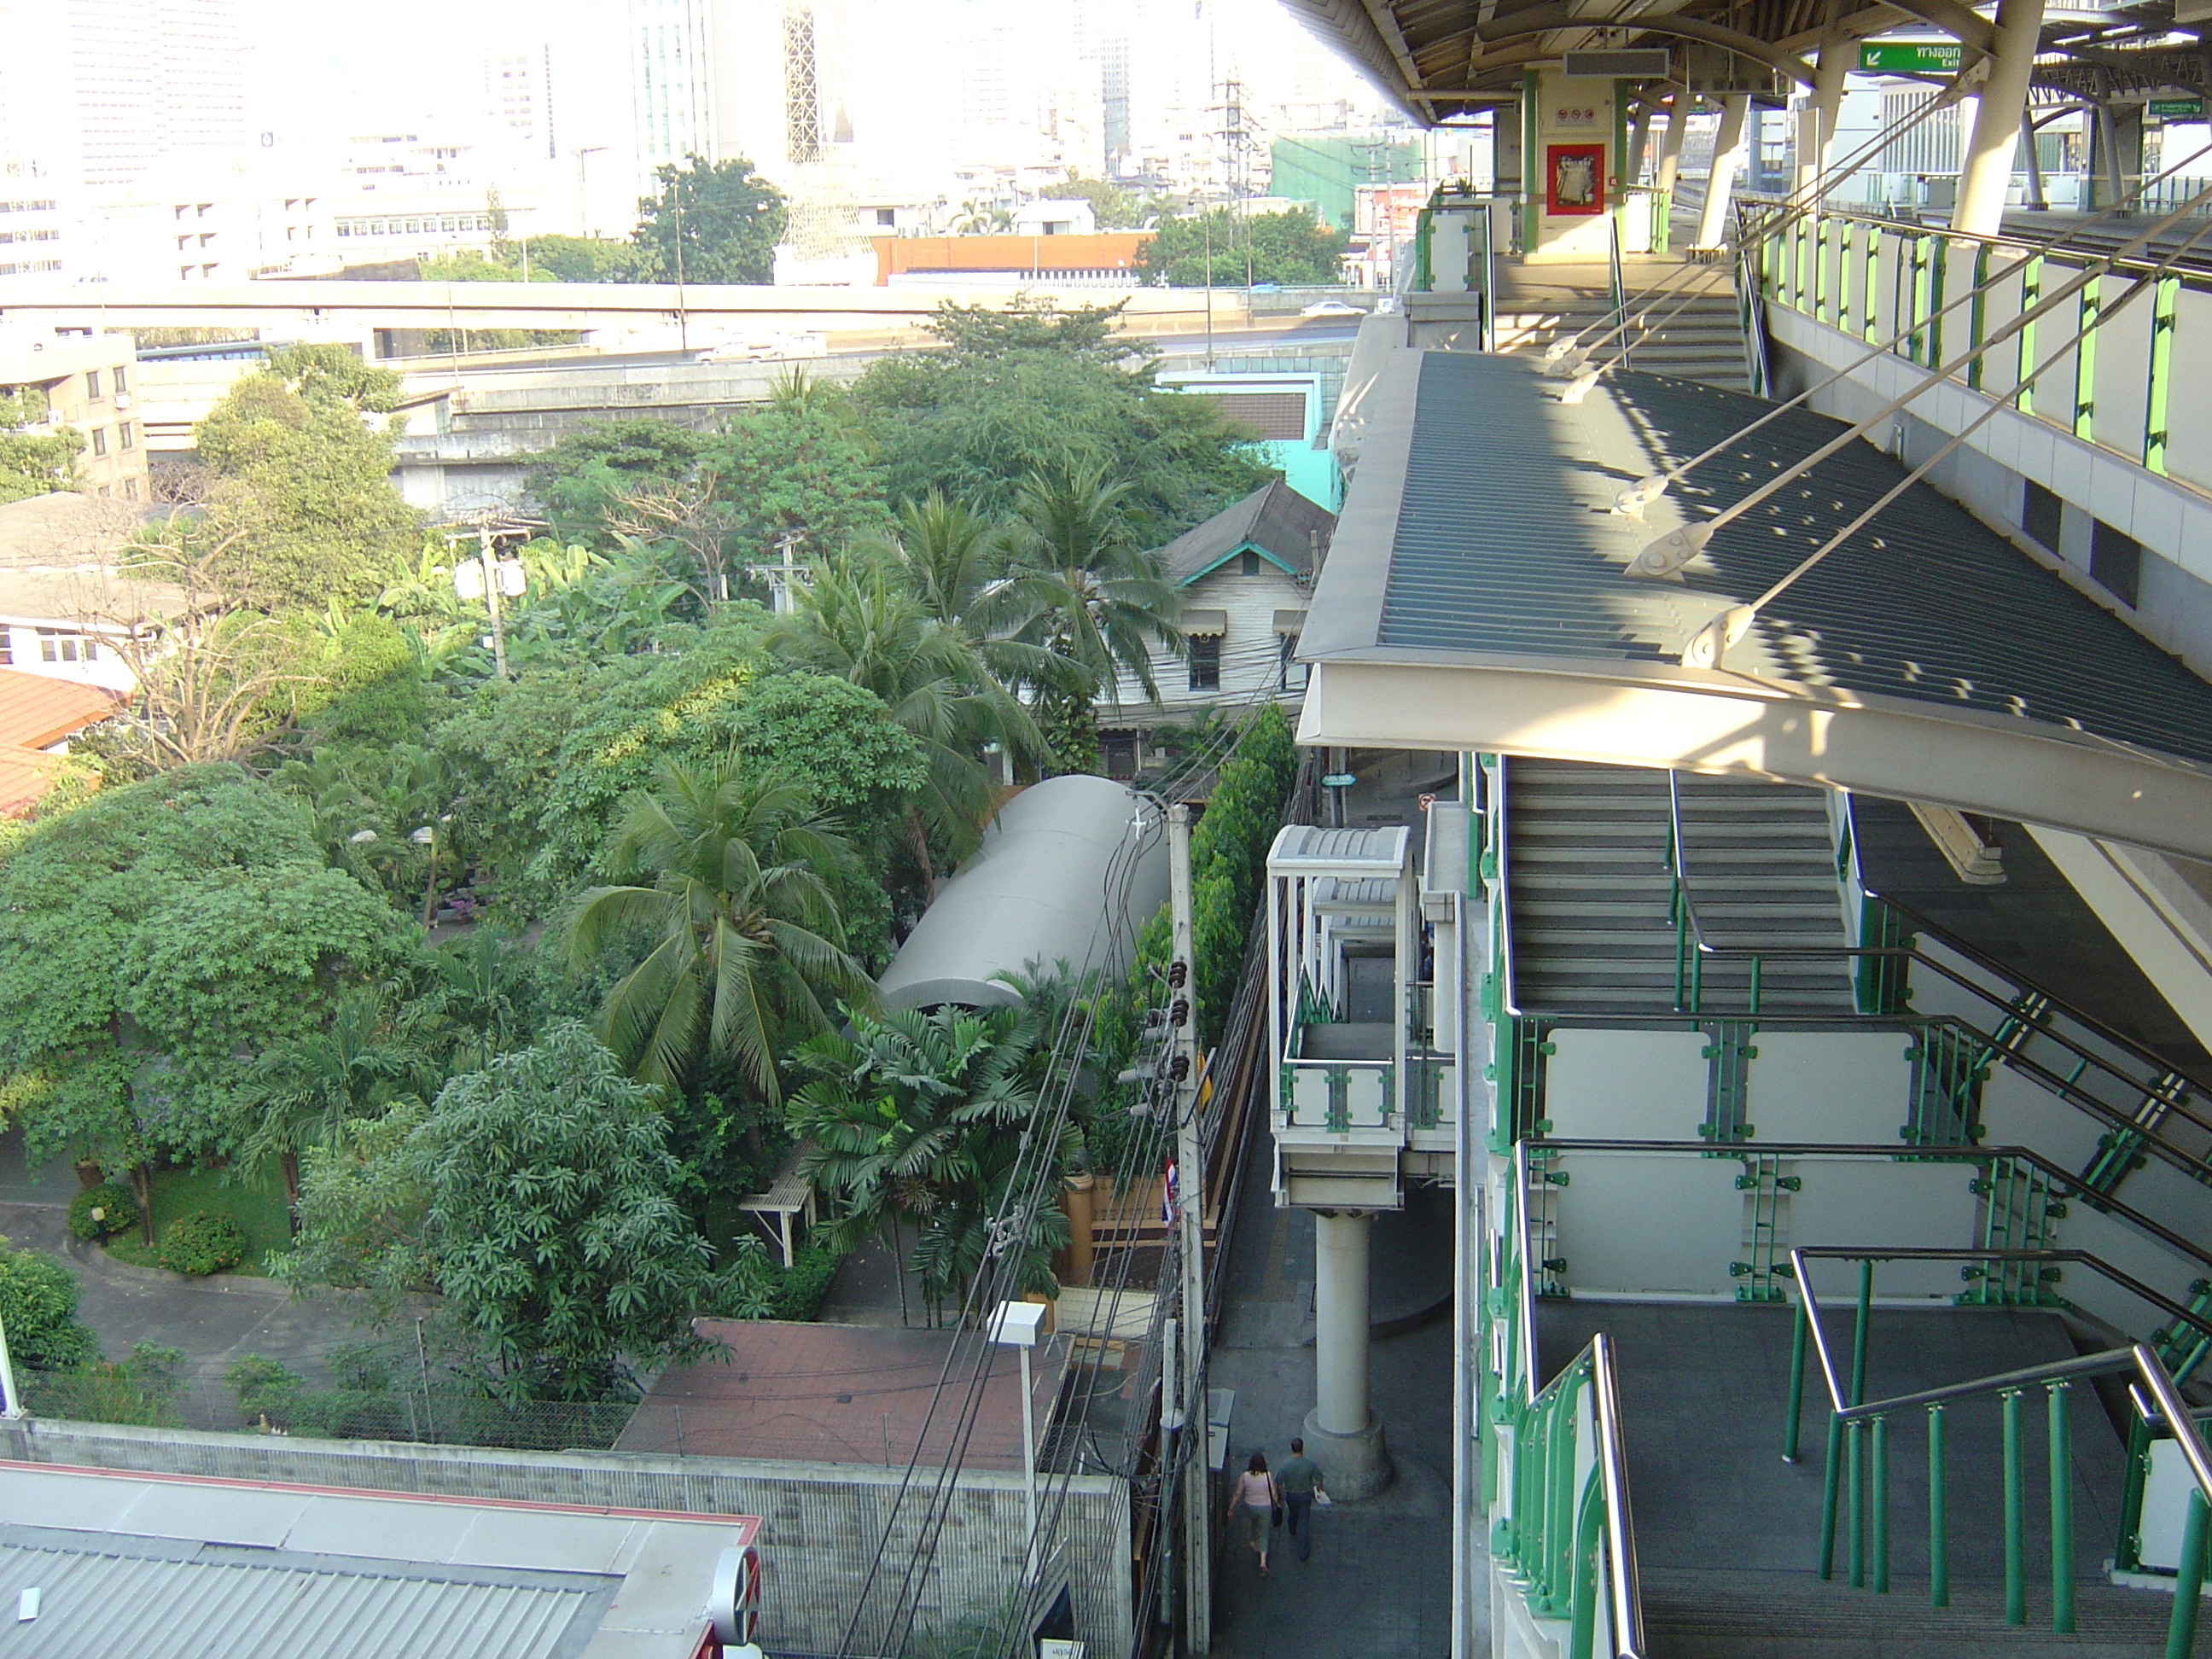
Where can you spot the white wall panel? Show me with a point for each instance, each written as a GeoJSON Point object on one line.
{"type": "Point", "coordinates": [1829, 1086]}
{"type": "Point", "coordinates": [2017, 1111]}
{"type": "Point", "coordinates": [1626, 1085]}
{"type": "Point", "coordinates": [1878, 1202]}
{"type": "Point", "coordinates": [2133, 1253]}
{"type": "Point", "coordinates": [1654, 1223]}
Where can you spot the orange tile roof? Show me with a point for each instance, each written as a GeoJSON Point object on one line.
{"type": "Point", "coordinates": [25, 775]}
{"type": "Point", "coordinates": [38, 711]}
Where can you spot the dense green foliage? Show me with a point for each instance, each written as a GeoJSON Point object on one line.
{"type": "Point", "coordinates": [676, 838]}
{"type": "Point", "coordinates": [38, 1308]}
{"type": "Point", "coordinates": [202, 1244]}
{"type": "Point", "coordinates": [31, 464]}
{"type": "Point", "coordinates": [98, 1212]}
{"type": "Point", "coordinates": [1289, 247]}
{"type": "Point", "coordinates": [302, 477]}
{"type": "Point", "coordinates": [712, 222]}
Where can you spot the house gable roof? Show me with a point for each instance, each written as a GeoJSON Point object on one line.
{"type": "Point", "coordinates": [37, 710]}
{"type": "Point", "coordinates": [1275, 521]}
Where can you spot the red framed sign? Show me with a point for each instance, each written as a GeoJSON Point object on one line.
{"type": "Point", "coordinates": [1574, 179]}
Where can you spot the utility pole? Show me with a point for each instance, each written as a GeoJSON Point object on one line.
{"type": "Point", "coordinates": [1190, 1235]}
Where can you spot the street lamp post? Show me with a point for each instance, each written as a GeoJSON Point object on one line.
{"type": "Point", "coordinates": [1016, 1325]}
{"type": "Point", "coordinates": [583, 201]}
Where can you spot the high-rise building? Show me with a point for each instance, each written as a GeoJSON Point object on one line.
{"type": "Point", "coordinates": [671, 80]}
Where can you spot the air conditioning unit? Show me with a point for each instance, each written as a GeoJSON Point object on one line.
{"type": "Point", "coordinates": [122, 400]}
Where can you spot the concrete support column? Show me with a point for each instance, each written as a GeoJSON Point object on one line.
{"type": "Point", "coordinates": [1995, 134]}
{"type": "Point", "coordinates": [1341, 1433]}
{"type": "Point", "coordinates": [1670, 147]}
{"type": "Point", "coordinates": [1639, 135]}
{"type": "Point", "coordinates": [1728, 148]}
{"type": "Point", "coordinates": [2036, 198]}
{"type": "Point", "coordinates": [1838, 52]}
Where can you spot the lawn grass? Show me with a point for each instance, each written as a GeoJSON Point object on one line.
{"type": "Point", "coordinates": [257, 1206]}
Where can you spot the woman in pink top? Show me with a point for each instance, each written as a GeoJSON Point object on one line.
{"type": "Point", "coordinates": [1253, 1505]}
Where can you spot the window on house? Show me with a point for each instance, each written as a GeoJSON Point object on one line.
{"type": "Point", "coordinates": [99, 440]}
{"type": "Point", "coordinates": [121, 382]}
{"type": "Point", "coordinates": [2116, 563]}
{"type": "Point", "coordinates": [131, 489]}
{"type": "Point", "coordinates": [58, 645]}
{"type": "Point", "coordinates": [92, 385]}
{"type": "Point", "coordinates": [1248, 564]}
{"type": "Point", "coordinates": [7, 648]}
{"type": "Point", "coordinates": [1291, 675]}
{"type": "Point", "coordinates": [126, 437]}
{"type": "Point", "coordinates": [1205, 662]}
{"type": "Point", "coordinates": [886, 216]}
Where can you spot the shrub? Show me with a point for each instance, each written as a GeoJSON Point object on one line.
{"type": "Point", "coordinates": [116, 1211]}
{"type": "Point", "coordinates": [804, 1285]}
{"type": "Point", "coordinates": [266, 1388]}
{"type": "Point", "coordinates": [201, 1244]}
{"type": "Point", "coordinates": [38, 1307]}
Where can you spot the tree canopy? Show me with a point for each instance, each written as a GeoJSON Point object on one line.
{"type": "Point", "coordinates": [712, 222]}
{"type": "Point", "coordinates": [1289, 247]}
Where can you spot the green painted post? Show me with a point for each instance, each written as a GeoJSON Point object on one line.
{"type": "Point", "coordinates": [2015, 1559]}
{"type": "Point", "coordinates": [1831, 1475]}
{"type": "Point", "coordinates": [2128, 1557]}
{"type": "Point", "coordinates": [1938, 250]}
{"type": "Point", "coordinates": [1939, 1523]}
{"type": "Point", "coordinates": [1974, 314]}
{"type": "Point", "coordinates": [1848, 240]}
{"type": "Point", "coordinates": [2188, 1581]}
{"type": "Point", "coordinates": [2085, 361]}
{"type": "Point", "coordinates": [1796, 1384]}
{"type": "Point", "coordinates": [2062, 1514]}
{"type": "Point", "coordinates": [2031, 294]}
{"type": "Point", "coordinates": [1560, 1512]}
{"type": "Point", "coordinates": [1582, 1615]}
{"type": "Point", "coordinates": [1878, 1504]}
{"type": "Point", "coordinates": [2168, 297]}
{"type": "Point", "coordinates": [1871, 285]}
{"type": "Point", "coordinates": [1859, 1333]}
{"type": "Point", "coordinates": [1855, 1509]}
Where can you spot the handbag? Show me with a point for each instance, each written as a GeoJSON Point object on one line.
{"type": "Point", "coordinates": [1277, 1520]}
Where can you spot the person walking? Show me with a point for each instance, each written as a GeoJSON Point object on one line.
{"type": "Point", "coordinates": [1253, 1505]}
{"type": "Point", "coordinates": [1299, 1480]}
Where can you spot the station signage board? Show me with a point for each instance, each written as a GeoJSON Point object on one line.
{"type": "Point", "coordinates": [2175, 109]}
{"type": "Point", "coordinates": [1909, 57]}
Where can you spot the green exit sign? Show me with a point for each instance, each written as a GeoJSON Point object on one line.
{"type": "Point", "coordinates": [1909, 57]}
{"type": "Point", "coordinates": [2177, 109]}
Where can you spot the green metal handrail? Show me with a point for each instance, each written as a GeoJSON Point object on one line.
{"type": "Point", "coordinates": [1564, 1518]}
{"type": "Point", "coordinates": [1857, 1442]}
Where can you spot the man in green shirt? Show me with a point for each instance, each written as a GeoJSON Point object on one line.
{"type": "Point", "coordinates": [1299, 1478]}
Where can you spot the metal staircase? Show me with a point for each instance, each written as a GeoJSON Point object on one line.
{"type": "Point", "coordinates": [1600, 917]}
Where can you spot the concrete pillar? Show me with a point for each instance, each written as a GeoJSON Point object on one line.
{"type": "Point", "coordinates": [1729, 146]}
{"type": "Point", "coordinates": [1995, 133]}
{"type": "Point", "coordinates": [2036, 198]}
{"type": "Point", "coordinates": [1639, 135]}
{"type": "Point", "coordinates": [1341, 1433]}
{"type": "Point", "coordinates": [1838, 51]}
{"type": "Point", "coordinates": [1670, 147]}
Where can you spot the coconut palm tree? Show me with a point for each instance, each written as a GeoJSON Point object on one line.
{"type": "Point", "coordinates": [947, 554]}
{"type": "Point", "coordinates": [312, 1091]}
{"type": "Point", "coordinates": [729, 876]}
{"type": "Point", "coordinates": [862, 622]}
{"type": "Point", "coordinates": [1076, 582]}
{"type": "Point", "coordinates": [918, 1120]}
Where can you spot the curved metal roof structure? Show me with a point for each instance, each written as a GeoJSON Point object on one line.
{"type": "Point", "coordinates": [1437, 59]}
{"type": "Point", "coordinates": [1068, 870]}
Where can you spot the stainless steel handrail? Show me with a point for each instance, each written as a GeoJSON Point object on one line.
{"type": "Point", "coordinates": [2146, 1364]}
{"type": "Point", "coordinates": [2068, 1185]}
{"type": "Point", "coordinates": [1679, 857]}
{"type": "Point", "coordinates": [1508, 998]}
{"type": "Point", "coordinates": [1620, 1535]}
{"type": "Point", "coordinates": [1845, 1253]}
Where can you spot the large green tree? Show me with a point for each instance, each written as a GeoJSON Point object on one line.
{"type": "Point", "coordinates": [34, 463]}
{"type": "Point", "coordinates": [801, 467]}
{"type": "Point", "coordinates": [308, 1090]}
{"type": "Point", "coordinates": [584, 258]}
{"type": "Point", "coordinates": [538, 1195]}
{"type": "Point", "coordinates": [1289, 247]}
{"type": "Point", "coordinates": [728, 877]}
{"type": "Point", "coordinates": [153, 934]}
{"type": "Point", "coordinates": [582, 477]}
{"type": "Point", "coordinates": [302, 474]}
{"type": "Point", "coordinates": [1029, 391]}
{"type": "Point", "coordinates": [711, 221]}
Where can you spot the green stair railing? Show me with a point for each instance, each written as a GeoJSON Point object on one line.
{"type": "Point", "coordinates": [1854, 1475]}
{"type": "Point", "coordinates": [1565, 1536]}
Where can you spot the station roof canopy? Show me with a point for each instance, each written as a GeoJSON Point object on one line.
{"type": "Point", "coordinates": [1437, 59]}
{"type": "Point", "coordinates": [1476, 598]}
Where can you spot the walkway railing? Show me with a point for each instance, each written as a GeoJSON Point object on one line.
{"type": "Point", "coordinates": [2135, 1093]}
{"type": "Point", "coordinates": [1857, 1455]}
{"type": "Point", "coordinates": [1873, 276]}
{"type": "Point", "coordinates": [1567, 1536]}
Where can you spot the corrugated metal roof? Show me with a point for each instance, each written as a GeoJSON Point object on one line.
{"type": "Point", "coordinates": [1312, 847]}
{"type": "Point", "coordinates": [1504, 545]}
{"type": "Point", "coordinates": [156, 1598]}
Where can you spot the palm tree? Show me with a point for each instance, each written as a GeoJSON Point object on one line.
{"type": "Point", "coordinates": [946, 553]}
{"type": "Point", "coordinates": [918, 1119]}
{"type": "Point", "coordinates": [748, 935]}
{"type": "Point", "coordinates": [861, 623]}
{"type": "Point", "coordinates": [311, 1091]}
{"type": "Point", "coordinates": [1077, 586]}
{"type": "Point", "coordinates": [479, 992]}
